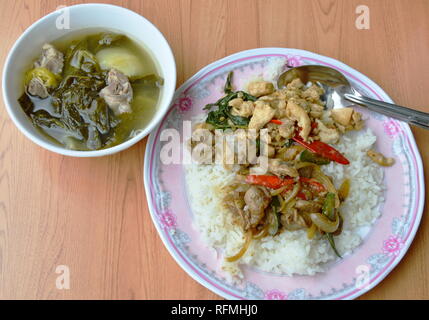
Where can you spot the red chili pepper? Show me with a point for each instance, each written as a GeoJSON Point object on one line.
{"type": "Point", "coordinates": [315, 184]}
{"type": "Point", "coordinates": [276, 121]}
{"type": "Point", "coordinates": [272, 182]}
{"type": "Point", "coordinates": [323, 149]}
{"type": "Point", "coordinates": [301, 195]}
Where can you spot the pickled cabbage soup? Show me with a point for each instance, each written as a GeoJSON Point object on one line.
{"type": "Point", "coordinates": [92, 91]}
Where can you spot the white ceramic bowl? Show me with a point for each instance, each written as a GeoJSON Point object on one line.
{"type": "Point", "coordinates": [83, 16]}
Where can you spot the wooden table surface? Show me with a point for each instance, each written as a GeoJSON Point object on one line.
{"type": "Point", "coordinates": [91, 214]}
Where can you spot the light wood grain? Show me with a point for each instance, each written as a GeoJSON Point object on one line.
{"type": "Point", "coordinates": [91, 214]}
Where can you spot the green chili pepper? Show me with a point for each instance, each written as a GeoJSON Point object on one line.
{"type": "Point", "coordinates": [328, 210]}
{"type": "Point", "coordinates": [228, 85]}
{"type": "Point", "coordinates": [331, 241]}
{"type": "Point", "coordinates": [308, 156]}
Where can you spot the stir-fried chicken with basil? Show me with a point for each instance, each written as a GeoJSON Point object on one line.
{"type": "Point", "coordinates": [294, 193]}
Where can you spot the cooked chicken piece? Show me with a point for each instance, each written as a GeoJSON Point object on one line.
{"type": "Point", "coordinates": [291, 153]}
{"type": "Point", "coordinates": [273, 132]}
{"type": "Point", "coordinates": [275, 96]}
{"type": "Point", "coordinates": [251, 152]}
{"type": "Point", "coordinates": [51, 59]}
{"type": "Point", "coordinates": [281, 168]}
{"type": "Point", "coordinates": [228, 153]}
{"type": "Point", "coordinates": [241, 108]}
{"type": "Point", "coordinates": [327, 135]}
{"type": "Point", "coordinates": [380, 159]}
{"type": "Point", "coordinates": [306, 172]}
{"type": "Point", "coordinates": [260, 88]}
{"type": "Point", "coordinates": [293, 89]}
{"type": "Point", "coordinates": [342, 115]}
{"type": "Point", "coordinates": [277, 101]}
{"type": "Point", "coordinates": [302, 103]}
{"type": "Point", "coordinates": [281, 108]}
{"type": "Point", "coordinates": [239, 147]}
{"type": "Point", "coordinates": [295, 84]}
{"type": "Point", "coordinates": [357, 121]}
{"type": "Point", "coordinates": [292, 94]}
{"type": "Point", "coordinates": [234, 202]}
{"type": "Point", "coordinates": [118, 93]}
{"type": "Point", "coordinates": [266, 143]}
{"type": "Point", "coordinates": [36, 88]}
{"type": "Point", "coordinates": [351, 117]}
{"type": "Point", "coordinates": [256, 202]}
{"type": "Point", "coordinates": [235, 102]}
{"type": "Point", "coordinates": [313, 93]}
{"type": "Point", "coordinates": [316, 110]}
{"type": "Point", "coordinates": [308, 206]}
{"type": "Point", "coordinates": [287, 128]}
{"type": "Point", "coordinates": [262, 114]}
{"type": "Point", "coordinates": [203, 125]}
{"type": "Point", "coordinates": [202, 147]}
{"type": "Point", "coordinates": [271, 151]}
{"type": "Point", "coordinates": [297, 113]}
{"type": "Point", "coordinates": [242, 147]}
{"type": "Point", "coordinates": [202, 135]}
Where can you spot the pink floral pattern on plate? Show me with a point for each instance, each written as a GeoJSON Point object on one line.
{"type": "Point", "coordinates": [184, 103]}
{"type": "Point", "coordinates": [393, 245]}
{"type": "Point", "coordinates": [168, 219]}
{"type": "Point", "coordinates": [391, 129]}
{"type": "Point", "coordinates": [275, 295]}
{"type": "Point", "coordinates": [382, 248]}
{"type": "Point", "coordinates": [294, 60]}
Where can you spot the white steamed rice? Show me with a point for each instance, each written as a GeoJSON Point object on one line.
{"type": "Point", "coordinates": [290, 252]}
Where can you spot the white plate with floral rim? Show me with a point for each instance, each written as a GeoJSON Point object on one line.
{"type": "Point", "coordinates": [381, 250]}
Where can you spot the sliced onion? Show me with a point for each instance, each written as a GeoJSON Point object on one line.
{"type": "Point", "coordinates": [344, 190]}
{"type": "Point", "coordinates": [248, 239]}
{"type": "Point", "coordinates": [288, 206]}
{"type": "Point", "coordinates": [290, 196]}
{"type": "Point", "coordinates": [281, 200]}
{"type": "Point", "coordinates": [293, 227]}
{"type": "Point", "coordinates": [300, 165]}
{"type": "Point", "coordinates": [311, 231]}
{"type": "Point", "coordinates": [324, 224]}
{"type": "Point", "coordinates": [278, 191]}
{"type": "Point", "coordinates": [323, 179]}
{"type": "Point", "coordinates": [281, 151]}
{"type": "Point", "coordinates": [261, 233]}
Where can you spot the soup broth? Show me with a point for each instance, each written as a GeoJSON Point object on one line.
{"type": "Point", "coordinates": [105, 90]}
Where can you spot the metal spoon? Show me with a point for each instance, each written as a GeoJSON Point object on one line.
{"type": "Point", "coordinates": [339, 93]}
